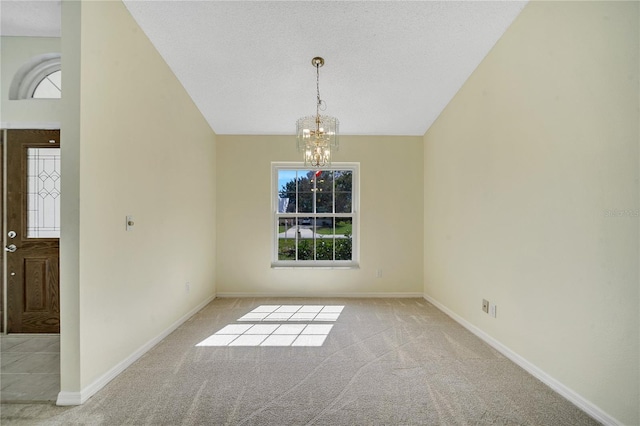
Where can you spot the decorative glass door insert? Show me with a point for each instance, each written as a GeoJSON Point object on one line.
{"type": "Point", "coordinates": [43, 193]}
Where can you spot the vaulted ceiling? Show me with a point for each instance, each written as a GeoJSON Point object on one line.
{"type": "Point", "coordinates": [390, 67]}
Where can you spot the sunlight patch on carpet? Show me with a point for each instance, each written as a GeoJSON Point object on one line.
{"type": "Point", "coordinates": [278, 334]}
{"type": "Point", "coordinates": [294, 313]}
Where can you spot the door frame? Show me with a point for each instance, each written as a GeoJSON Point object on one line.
{"type": "Point", "coordinates": [3, 240]}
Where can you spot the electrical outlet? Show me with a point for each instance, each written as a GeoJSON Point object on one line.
{"type": "Point", "coordinates": [187, 287]}
{"type": "Point", "coordinates": [379, 273]}
{"type": "Point", "coordinates": [493, 310]}
{"type": "Point", "coordinates": [485, 306]}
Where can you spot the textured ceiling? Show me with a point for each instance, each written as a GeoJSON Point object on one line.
{"type": "Point", "coordinates": [391, 67]}
{"type": "Point", "coordinates": [30, 18]}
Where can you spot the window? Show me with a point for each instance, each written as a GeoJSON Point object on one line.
{"type": "Point", "coordinates": [315, 215]}
{"type": "Point", "coordinates": [38, 78]}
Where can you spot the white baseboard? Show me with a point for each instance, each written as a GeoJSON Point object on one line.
{"type": "Point", "coordinates": [326, 295]}
{"type": "Point", "coordinates": [78, 398]}
{"type": "Point", "coordinates": [69, 398]}
{"type": "Point", "coordinates": [587, 406]}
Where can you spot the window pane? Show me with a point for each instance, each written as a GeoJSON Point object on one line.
{"type": "Point", "coordinates": [343, 202]}
{"type": "Point", "coordinates": [305, 227]}
{"type": "Point", "coordinates": [56, 78]}
{"type": "Point", "coordinates": [323, 185]}
{"type": "Point", "coordinates": [344, 227]}
{"type": "Point", "coordinates": [43, 197]}
{"type": "Point", "coordinates": [324, 202]}
{"type": "Point", "coordinates": [324, 182]}
{"type": "Point", "coordinates": [324, 248]}
{"type": "Point", "coordinates": [305, 180]}
{"type": "Point", "coordinates": [286, 190]}
{"type": "Point", "coordinates": [287, 228]}
{"type": "Point", "coordinates": [305, 202]}
{"type": "Point", "coordinates": [324, 238]}
{"type": "Point", "coordinates": [49, 87]}
{"type": "Point", "coordinates": [343, 249]}
{"type": "Point", "coordinates": [305, 238]}
{"type": "Point", "coordinates": [324, 226]}
{"type": "Point", "coordinates": [343, 238]}
{"type": "Point", "coordinates": [305, 250]}
{"type": "Point", "coordinates": [286, 239]}
{"type": "Point", "coordinates": [305, 191]}
{"type": "Point", "coordinates": [287, 202]}
{"type": "Point", "coordinates": [283, 203]}
{"type": "Point", "coordinates": [343, 185]}
{"type": "Point", "coordinates": [344, 180]}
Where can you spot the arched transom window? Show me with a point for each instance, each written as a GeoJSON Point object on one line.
{"type": "Point", "coordinates": [39, 78]}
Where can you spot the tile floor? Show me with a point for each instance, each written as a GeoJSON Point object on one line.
{"type": "Point", "coordinates": [29, 367]}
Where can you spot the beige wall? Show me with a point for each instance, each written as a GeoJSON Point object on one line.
{"type": "Point", "coordinates": [522, 171]}
{"type": "Point", "coordinates": [25, 113]}
{"type": "Point", "coordinates": [70, 374]}
{"type": "Point", "coordinates": [390, 221]}
{"type": "Point", "coordinates": [134, 144]}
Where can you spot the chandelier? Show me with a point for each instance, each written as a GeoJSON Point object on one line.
{"type": "Point", "coordinates": [317, 135]}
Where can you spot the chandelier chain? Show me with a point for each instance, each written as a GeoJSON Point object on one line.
{"type": "Point", "coordinates": [319, 101]}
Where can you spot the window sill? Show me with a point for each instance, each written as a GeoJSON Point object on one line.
{"type": "Point", "coordinates": [306, 265]}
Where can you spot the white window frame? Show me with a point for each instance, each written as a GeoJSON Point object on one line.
{"type": "Point", "coordinates": [31, 74]}
{"type": "Point", "coordinates": [354, 216]}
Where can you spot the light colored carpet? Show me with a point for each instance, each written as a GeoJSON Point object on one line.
{"type": "Point", "coordinates": [385, 362]}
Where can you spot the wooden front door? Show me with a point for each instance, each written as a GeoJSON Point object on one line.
{"type": "Point", "coordinates": [33, 230]}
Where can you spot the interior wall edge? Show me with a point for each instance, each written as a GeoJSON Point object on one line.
{"type": "Point", "coordinates": [585, 405]}
{"type": "Point", "coordinates": [66, 398]}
